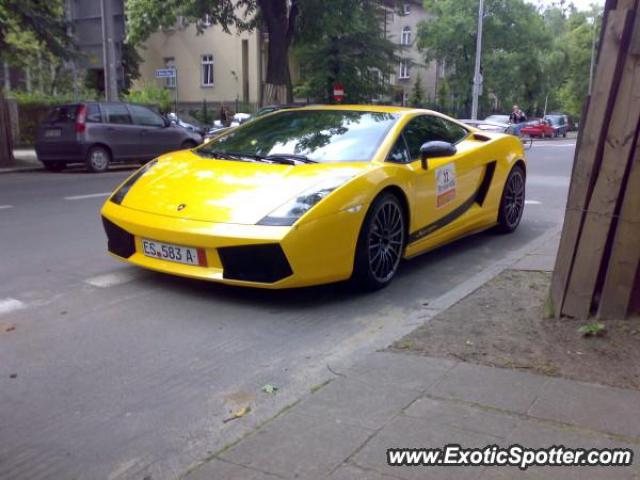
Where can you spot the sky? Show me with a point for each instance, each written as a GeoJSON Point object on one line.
{"type": "Point", "coordinates": [580, 4]}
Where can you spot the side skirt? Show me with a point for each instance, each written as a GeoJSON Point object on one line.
{"type": "Point", "coordinates": [478, 197]}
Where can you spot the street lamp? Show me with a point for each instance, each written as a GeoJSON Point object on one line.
{"type": "Point", "coordinates": [477, 78]}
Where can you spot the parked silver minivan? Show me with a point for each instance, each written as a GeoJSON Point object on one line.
{"type": "Point", "coordinates": [99, 133]}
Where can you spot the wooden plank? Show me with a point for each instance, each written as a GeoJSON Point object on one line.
{"type": "Point", "coordinates": [587, 151]}
{"type": "Point", "coordinates": [625, 253]}
{"type": "Point", "coordinates": [619, 143]}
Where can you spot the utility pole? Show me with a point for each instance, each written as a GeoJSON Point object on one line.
{"type": "Point", "coordinates": [476, 73]}
{"type": "Point", "coordinates": [108, 53]}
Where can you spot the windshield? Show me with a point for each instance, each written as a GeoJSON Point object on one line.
{"type": "Point", "coordinates": [317, 135]}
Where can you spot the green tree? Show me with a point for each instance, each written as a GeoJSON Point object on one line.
{"type": "Point", "coordinates": [577, 44]}
{"type": "Point", "coordinates": [343, 41]}
{"type": "Point", "coordinates": [513, 38]}
{"type": "Point", "coordinates": [417, 93]}
{"type": "Point", "coordinates": [43, 24]}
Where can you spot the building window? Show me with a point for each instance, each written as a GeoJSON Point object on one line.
{"type": "Point", "coordinates": [170, 82]}
{"type": "Point", "coordinates": [406, 8]}
{"type": "Point", "coordinates": [207, 70]}
{"type": "Point", "coordinates": [405, 38]}
{"type": "Point", "coordinates": [405, 69]}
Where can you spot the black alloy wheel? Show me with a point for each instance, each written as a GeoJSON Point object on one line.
{"type": "Point", "coordinates": [381, 243]}
{"type": "Point", "coordinates": [512, 203]}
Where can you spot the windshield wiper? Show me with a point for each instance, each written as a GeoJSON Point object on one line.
{"type": "Point", "coordinates": [288, 158]}
{"type": "Point", "coordinates": [226, 155]}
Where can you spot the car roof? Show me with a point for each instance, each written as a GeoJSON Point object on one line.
{"type": "Point", "coordinates": [368, 108]}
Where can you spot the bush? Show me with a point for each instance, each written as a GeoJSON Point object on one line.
{"type": "Point", "coordinates": [151, 95]}
{"type": "Point", "coordinates": [204, 115]}
{"type": "Point", "coordinates": [40, 98]}
{"type": "Point", "coordinates": [33, 108]}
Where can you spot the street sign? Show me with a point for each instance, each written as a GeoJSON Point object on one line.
{"type": "Point", "coordinates": [166, 73]}
{"type": "Point", "coordinates": [338, 92]}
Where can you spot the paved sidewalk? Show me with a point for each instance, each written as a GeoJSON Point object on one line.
{"type": "Point", "coordinates": [26, 159]}
{"type": "Point", "coordinates": [391, 400]}
{"type": "Point", "coordinates": [394, 400]}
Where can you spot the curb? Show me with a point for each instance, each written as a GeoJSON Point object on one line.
{"type": "Point", "coordinates": [472, 284]}
{"type": "Point", "coordinates": [20, 169]}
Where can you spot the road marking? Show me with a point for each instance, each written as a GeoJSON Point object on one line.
{"type": "Point", "coordinates": [10, 305]}
{"type": "Point", "coordinates": [115, 278]}
{"type": "Point", "coordinates": [4, 207]}
{"type": "Point", "coordinates": [91, 195]}
{"type": "Point", "coordinates": [532, 202]}
{"type": "Point", "coordinates": [555, 145]}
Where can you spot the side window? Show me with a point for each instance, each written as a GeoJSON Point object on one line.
{"type": "Point", "coordinates": [445, 130]}
{"type": "Point", "coordinates": [416, 133]}
{"type": "Point", "coordinates": [93, 113]}
{"type": "Point", "coordinates": [428, 128]}
{"type": "Point", "coordinates": [144, 116]}
{"type": "Point", "coordinates": [399, 153]}
{"type": "Point", "coordinates": [117, 113]}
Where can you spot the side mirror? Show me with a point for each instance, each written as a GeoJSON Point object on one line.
{"type": "Point", "coordinates": [167, 122]}
{"type": "Point", "coordinates": [436, 149]}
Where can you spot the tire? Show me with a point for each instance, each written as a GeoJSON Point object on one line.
{"type": "Point", "coordinates": [564, 134]}
{"type": "Point", "coordinates": [98, 159]}
{"type": "Point", "coordinates": [54, 166]}
{"type": "Point", "coordinates": [188, 145]}
{"type": "Point", "coordinates": [512, 201]}
{"type": "Point", "coordinates": [380, 244]}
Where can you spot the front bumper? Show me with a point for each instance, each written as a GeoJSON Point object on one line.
{"type": "Point", "coordinates": [319, 251]}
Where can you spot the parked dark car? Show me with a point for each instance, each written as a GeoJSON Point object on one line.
{"type": "Point", "coordinates": [99, 133]}
{"type": "Point", "coordinates": [559, 122]}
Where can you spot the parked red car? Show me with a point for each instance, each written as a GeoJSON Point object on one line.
{"type": "Point", "coordinates": [541, 128]}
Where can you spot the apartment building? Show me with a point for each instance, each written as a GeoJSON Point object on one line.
{"type": "Point", "coordinates": [214, 66]}
{"type": "Point", "coordinates": [402, 28]}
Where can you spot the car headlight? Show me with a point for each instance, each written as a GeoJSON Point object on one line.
{"type": "Point", "coordinates": [287, 214]}
{"type": "Point", "coordinates": [119, 195]}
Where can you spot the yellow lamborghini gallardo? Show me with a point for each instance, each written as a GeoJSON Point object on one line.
{"type": "Point", "coordinates": [315, 195]}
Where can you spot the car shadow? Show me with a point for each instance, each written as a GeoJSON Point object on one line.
{"type": "Point", "coordinates": [424, 276]}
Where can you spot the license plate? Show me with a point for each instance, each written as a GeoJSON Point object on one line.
{"type": "Point", "coordinates": [52, 133]}
{"type": "Point", "coordinates": [174, 253]}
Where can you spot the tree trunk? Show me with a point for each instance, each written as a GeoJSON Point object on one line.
{"type": "Point", "coordinates": [280, 22]}
{"type": "Point", "coordinates": [6, 137]}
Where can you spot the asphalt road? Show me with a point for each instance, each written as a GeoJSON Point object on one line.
{"type": "Point", "coordinates": [114, 372]}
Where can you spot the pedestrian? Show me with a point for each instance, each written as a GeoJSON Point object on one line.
{"type": "Point", "coordinates": [223, 115]}
{"type": "Point", "coordinates": [517, 115]}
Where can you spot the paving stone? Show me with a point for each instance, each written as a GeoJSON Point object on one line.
{"type": "Point", "coordinates": [357, 403]}
{"type": "Point", "coordinates": [411, 432]}
{"type": "Point", "coordinates": [462, 416]}
{"type": "Point", "coordinates": [494, 387]}
{"type": "Point", "coordinates": [607, 409]}
{"type": "Point", "coordinates": [535, 434]}
{"type": "Point", "coordinates": [218, 469]}
{"type": "Point", "coordinates": [297, 446]}
{"type": "Point", "coordinates": [407, 371]}
{"type": "Point", "coordinates": [353, 472]}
